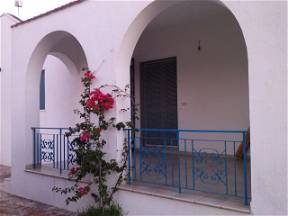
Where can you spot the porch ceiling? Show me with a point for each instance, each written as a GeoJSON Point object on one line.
{"type": "Point", "coordinates": [184, 12]}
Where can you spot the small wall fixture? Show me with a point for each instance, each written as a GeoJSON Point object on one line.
{"type": "Point", "coordinates": [199, 48]}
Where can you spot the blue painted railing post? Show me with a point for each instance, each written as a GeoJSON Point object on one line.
{"type": "Point", "coordinates": [185, 163]}
{"type": "Point", "coordinates": [179, 162]}
{"type": "Point", "coordinates": [53, 150]}
{"type": "Point", "coordinates": [165, 160]}
{"type": "Point", "coordinates": [67, 152]}
{"type": "Point", "coordinates": [193, 165]}
{"type": "Point", "coordinates": [57, 150]}
{"type": "Point", "coordinates": [245, 169]}
{"type": "Point", "coordinates": [34, 147]}
{"type": "Point", "coordinates": [64, 152]}
{"type": "Point", "coordinates": [133, 151]}
{"type": "Point", "coordinates": [226, 173]}
{"type": "Point", "coordinates": [60, 135]}
{"type": "Point", "coordinates": [129, 156]}
{"type": "Point", "coordinates": [235, 171]}
{"type": "Point", "coordinates": [140, 159]}
{"type": "Point", "coordinates": [40, 150]}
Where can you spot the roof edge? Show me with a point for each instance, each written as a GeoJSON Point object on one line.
{"type": "Point", "coordinates": [70, 4]}
{"type": "Point", "coordinates": [17, 19]}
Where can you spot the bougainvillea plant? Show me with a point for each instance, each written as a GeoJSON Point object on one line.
{"type": "Point", "coordinates": [91, 167]}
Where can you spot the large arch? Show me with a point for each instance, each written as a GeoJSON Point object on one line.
{"type": "Point", "coordinates": [262, 38]}
{"type": "Point", "coordinates": [134, 31]}
{"type": "Point", "coordinates": [146, 17]}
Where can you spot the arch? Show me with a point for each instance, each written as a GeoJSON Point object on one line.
{"type": "Point", "coordinates": [65, 47]}
{"type": "Point", "coordinates": [60, 43]}
{"type": "Point", "coordinates": [139, 24]}
{"type": "Point", "coordinates": [147, 16]}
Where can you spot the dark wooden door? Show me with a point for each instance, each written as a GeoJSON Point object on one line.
{"type": "Point", "coordinates": [159, 99]}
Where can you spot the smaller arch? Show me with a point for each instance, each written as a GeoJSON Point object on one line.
{"type": "Point", "coordinates": [60, 42]}
{"type": "Point", "coordinates": [62, 45]}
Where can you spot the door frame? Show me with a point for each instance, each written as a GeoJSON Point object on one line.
{"type": "Point", "coordinates": [174, 58]}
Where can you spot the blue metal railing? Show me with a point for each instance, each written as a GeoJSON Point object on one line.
{"type": "Point", "coordinates": [200, 160]}
{"type": "Point", "coordinates": [51, 148]}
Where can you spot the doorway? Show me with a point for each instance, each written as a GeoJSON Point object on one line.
{"type": "Point", "coordinates": [158, 84]}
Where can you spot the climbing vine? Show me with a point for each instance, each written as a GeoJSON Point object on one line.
{"type": "Point", "coordinates": [92, 166]}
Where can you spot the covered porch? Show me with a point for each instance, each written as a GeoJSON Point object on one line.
{"type": "Point", "coordinates": [190, 108]}
{"type": "Point", "coordinates": [190, 103]}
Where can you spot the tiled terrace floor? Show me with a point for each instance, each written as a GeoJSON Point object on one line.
{"type": "Point", "coordinates": [17, 206]}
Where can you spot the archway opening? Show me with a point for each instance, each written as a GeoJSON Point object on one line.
{"type": "Point", "coordinates": [189, 82]}
{"type": "Point", "coordinates": [53, 93]}
{"type": "Point", "coordinates": [60, 89]}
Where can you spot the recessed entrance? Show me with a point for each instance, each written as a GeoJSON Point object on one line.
{"type": "Point", "coordinates": [194, 114]}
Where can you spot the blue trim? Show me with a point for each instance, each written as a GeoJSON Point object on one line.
{"type": "Point", "coordinates": [185, 130]}
{"type": "Point", "coordinates": [185, 163]}
{"type": "Point", "coordinates": [193, 165]}
{"type": "Point", "coordinates": [49, 128]}
{"type": "Point", "coordinates": [60, 136]}
{"type": "Point", "coordinates": [235, 170]}
{"type": "Point", "coordinates": [179, 162]}
{"type": "Point", "coordinates": [42, 90]}
{"type": "Point", "coordinates": [226, 175]}
{"type": "Point", "coordinates": [34, 148]}
{"type": "Point", "coordinates": [129, 155]}
{"type": "Point", "coordinates": [245, 169]}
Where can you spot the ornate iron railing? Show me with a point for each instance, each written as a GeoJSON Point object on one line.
{"type": "Point", "coordinates": [200, 160]}
{"type": "Point", "coordinates": [51, 148]}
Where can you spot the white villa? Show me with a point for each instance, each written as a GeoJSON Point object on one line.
{"type": "Point", "coordinates": [210, 78]}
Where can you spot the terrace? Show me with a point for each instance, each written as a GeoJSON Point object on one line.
{"type": "Point", "coordinates": [189, 163]}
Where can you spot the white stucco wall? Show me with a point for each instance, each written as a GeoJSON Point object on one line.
{"type": "Point", "coordinates": [111, 37]}
{"type": "Point", "coordinates": [6, 21]}
{"type": "Point", "coordinates": [0, 89]}
{"type": "Point", "coordinates": [62, 94]}
{"type": "Point", "coordinates": [264, 25]}
{"type": "Point", "coordinates": [212, 84]}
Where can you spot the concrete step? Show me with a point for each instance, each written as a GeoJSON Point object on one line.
{"type": "Point", "coordinates": [5, 185]}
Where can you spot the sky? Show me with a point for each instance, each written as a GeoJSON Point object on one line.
{"type": "Point", "coordinates": [30, 7]}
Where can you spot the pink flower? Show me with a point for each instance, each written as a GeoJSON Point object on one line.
{"type": "Point", "coordinates": [85, 136]}
{"type": "Point", "coordinates": [83, 190]}
{"type": "Point", "coordinates": [108, 102]}
{"type": "Point", "coordinates": [89, 75]}
{"type": "Point", "coordinates": [90, 103]}
{"type": "Point", "coordinates": [97, 95]}
{"type": "Point", "coordinates": [74, 170]}
{"type": "Point", "coordinates": [99, 101]}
